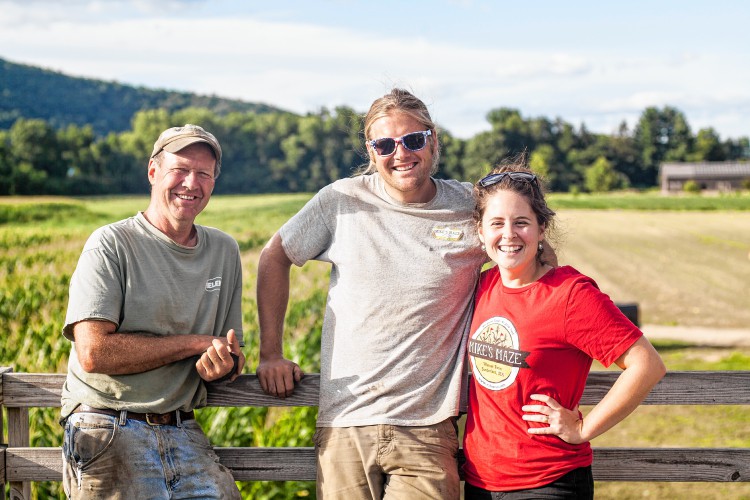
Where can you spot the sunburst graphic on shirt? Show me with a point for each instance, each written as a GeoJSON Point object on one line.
{"type": "Point", "coordinates": [495, 355]}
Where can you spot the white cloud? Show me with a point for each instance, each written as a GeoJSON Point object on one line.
{"type": "Point", "coordinates": [302, 66]}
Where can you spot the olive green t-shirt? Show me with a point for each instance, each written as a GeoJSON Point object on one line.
{"type": "Point", "coordinates": [134, 276]}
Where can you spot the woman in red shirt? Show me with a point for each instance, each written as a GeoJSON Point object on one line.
{"type": "Point", "coordinates": [534, 334]}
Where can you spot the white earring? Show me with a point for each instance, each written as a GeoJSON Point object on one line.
{"type": "Point", "coordinates": [541, 247]}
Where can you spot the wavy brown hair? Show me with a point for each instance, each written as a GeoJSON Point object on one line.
{"type": "Point", "coordinates": [533, 191]}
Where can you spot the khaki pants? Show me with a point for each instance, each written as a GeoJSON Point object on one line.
{"type": "Point", "coordinates": [388, 462]}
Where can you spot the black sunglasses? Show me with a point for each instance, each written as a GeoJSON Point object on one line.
{"type": "Point", "coordinates": [415, 141]}
{"type": "Point", "coordinates": [499, 176]}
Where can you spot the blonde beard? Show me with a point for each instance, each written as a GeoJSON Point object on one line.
{"type": "Point", "coordinates": [370, 168]}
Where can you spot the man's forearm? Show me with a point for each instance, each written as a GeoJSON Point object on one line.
{"type": "Point", "coordinates": [272, 298]}
{"type": "Point", "coordinates": [113, 353]}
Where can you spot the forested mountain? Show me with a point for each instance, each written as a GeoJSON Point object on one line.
{"type": "Point", "coordinates": [62, 135]}
{"type": "Point", "coordinates": [61, 100]}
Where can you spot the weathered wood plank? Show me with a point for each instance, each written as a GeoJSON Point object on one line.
{"type": "Point", "coordinates": [672, 464]}
{"type": "Point", "coordinates": [20, 491]}
{"type": "Point", "coordinates": [269, 464]}
{"type": "Point", "coordinates": [32, 389]}
{"type": "Point", "coordinates": [680, 388]}
{"type": "Point", "coordinates": [285, 464]}
{"type": "Point", "coordinates": [246, 391]}
{"type": "Point", "coordinates": [18, 435]}
{"type": "Point", "coordinates": [34, 464]}
{"type": "Point", "coordinates": [18, 426]}
{"type": "Point", "coordinates": [3, 370]}
{"type": "Point", "coordinates": [2, 465]}
{"type": "Point", "coordinates": [676, 388]}
{"type": "Point", "coordinates": [247, 464]}
{"type": "Point", "coordinates": [28, 390]}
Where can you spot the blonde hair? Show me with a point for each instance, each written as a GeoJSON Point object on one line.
{"type": "Point", "coordinates": [400, 101]}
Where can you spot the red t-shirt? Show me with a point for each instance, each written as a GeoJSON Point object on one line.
{"type": "Point", "coordinates": [538, 339]}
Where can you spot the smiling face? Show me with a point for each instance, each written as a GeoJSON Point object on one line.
{"type": "Point", "coordinates": [511, 234]}
{"type": "Point", "coordinates": [181, 185]}
{"type": "Point", "coordinates": [406, 173]}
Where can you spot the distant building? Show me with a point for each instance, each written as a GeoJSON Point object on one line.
{"type": "Point", "coordinates": [710, 176]}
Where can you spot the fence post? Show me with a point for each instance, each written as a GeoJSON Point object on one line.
{"type": "Point", "coordinates": [18, 436]}
{"type": "Point", "coordinates": [3, 442]}
{"type": "Point", "coordinates": [630, 310]}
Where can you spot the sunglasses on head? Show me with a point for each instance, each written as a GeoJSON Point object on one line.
{"type": "Point", "coordinates": [499, 176]}
{"type": "Point", "coordinates": [386, 146]}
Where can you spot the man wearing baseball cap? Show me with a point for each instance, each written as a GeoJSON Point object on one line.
{"type": "Point", "coordinates": [154, 312]}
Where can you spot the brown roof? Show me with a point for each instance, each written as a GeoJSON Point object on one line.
{"type": "Point", "coordinates": [713, 170]}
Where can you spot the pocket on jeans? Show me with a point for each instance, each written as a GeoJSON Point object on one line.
{"type": "Point", "coordinates": [88, 436]}
{"type": "Point", "coordinates": [195, 433]}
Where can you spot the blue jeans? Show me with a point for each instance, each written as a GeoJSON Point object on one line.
{"type": "Point", "coordinates": [111, 457]}
{"type": "Point", "coordinates": [576, 484]}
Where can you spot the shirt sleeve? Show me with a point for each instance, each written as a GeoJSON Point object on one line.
{"type": "Point", "coordinates": [595, 325]}
{"type": "Point", "coordinates": [96, 287]}
{"type": "Point", "coordinates": [307, 235]}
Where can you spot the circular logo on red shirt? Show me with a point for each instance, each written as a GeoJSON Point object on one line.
{"type": "Point", "coordinates": [494, 354]}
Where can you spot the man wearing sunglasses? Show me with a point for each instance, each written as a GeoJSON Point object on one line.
{"type": "Point", "coordinates": [405, 260]}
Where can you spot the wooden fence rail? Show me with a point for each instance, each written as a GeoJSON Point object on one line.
{"type": "Point", "coordinates": [21, 464]}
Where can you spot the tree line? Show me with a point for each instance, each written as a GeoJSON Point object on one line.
{"type": "Point", "coordinates": [285, 152]}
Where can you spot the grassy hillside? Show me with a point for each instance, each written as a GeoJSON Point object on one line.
{"type": "Point", "coordinates": [32, 92]}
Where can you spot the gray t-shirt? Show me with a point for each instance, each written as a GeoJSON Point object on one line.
{"type": "Point", "coordinates": [399, 301]}
{"type": "Point", "coordinates": [134, 276]}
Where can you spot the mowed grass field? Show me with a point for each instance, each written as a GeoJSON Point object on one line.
{"type": "Point", "coordinates": [683, 267]}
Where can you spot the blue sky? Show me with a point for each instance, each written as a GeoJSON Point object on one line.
{"type": "Point", "coordinates": [598, 63]}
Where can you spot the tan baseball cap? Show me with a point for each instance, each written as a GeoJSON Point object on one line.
{"type": "Point", "coordinates": [177, 138]}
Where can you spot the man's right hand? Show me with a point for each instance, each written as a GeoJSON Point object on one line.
{"type": "Point", "coordinates": [216, 362]}
{"type": "Point", "coordinates": [277, 376]}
